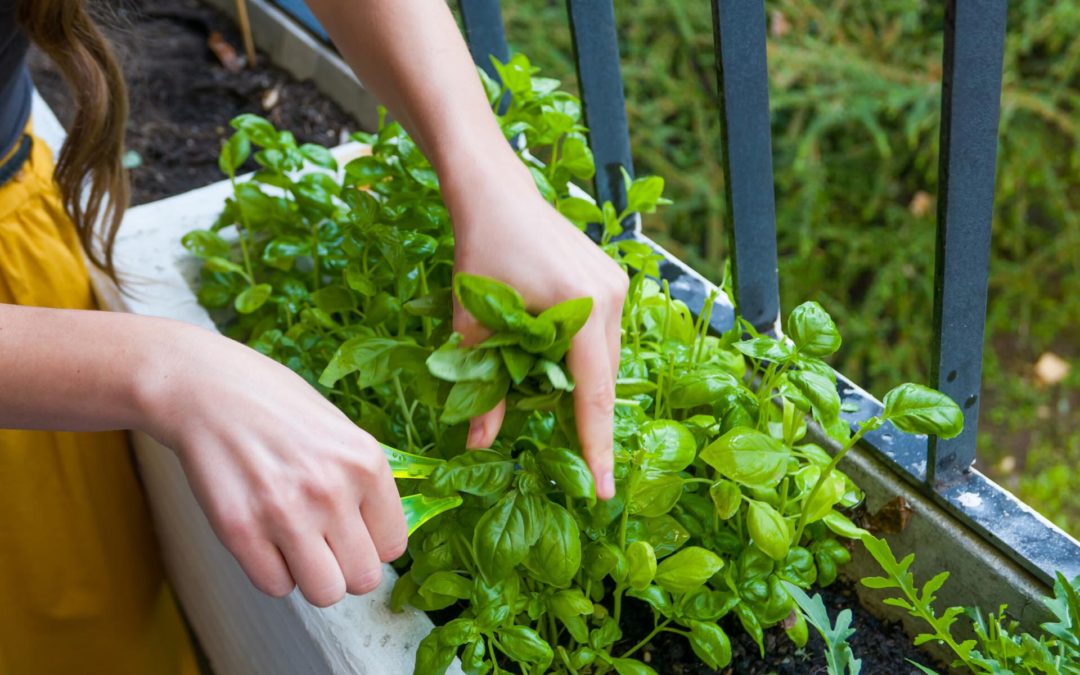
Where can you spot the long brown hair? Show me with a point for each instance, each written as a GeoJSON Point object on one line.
{"type": "Point", "coordinates": [92, 153]}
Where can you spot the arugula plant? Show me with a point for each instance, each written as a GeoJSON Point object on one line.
{"type": "Point", "coordinates": [344, 274]}
{"type": "Point", "coordinates": [998, 645]}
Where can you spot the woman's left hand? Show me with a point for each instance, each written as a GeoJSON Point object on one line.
{"type": "Point", "coordinates": [507, 231]}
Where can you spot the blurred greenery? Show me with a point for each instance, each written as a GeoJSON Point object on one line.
{"type": "Point", "coordinates": [855, 96]}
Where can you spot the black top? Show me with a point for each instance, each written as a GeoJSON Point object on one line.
{"type": "Point", "coordinates": [16, 91]}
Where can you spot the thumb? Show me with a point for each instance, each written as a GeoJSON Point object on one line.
{"type": "Point", "coordinates": [483, 428]}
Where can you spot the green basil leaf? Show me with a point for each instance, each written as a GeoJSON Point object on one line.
{"type": "Point", "coordinates": [258, 129]}
{"type": "Point", "coordinates": [842, 525]}
{"type": "Point", "coordinates": [478, 472]}
{"type": "Point", "coordinates": [710, 643]}
{"type": "Point", "coordinates": [663, 533]}
{"type": "Point", "coordinates": [706, 604]}
{"type": "Point", "coordinates": [518, 363]}
{"type": "Point", "coordinates": [252, 298]}
{"type": "Point", "coordinates": [579, 210]}
{"type": "Point", "coordinates": [372, 358]}
{"type": "Point", "coordinates": [556, 556]}
{"type": "Point", "coordinates": [768, 530]}
{"type": "Point", "coordinates": [319, 156]}
{"type": "Point", "coordinates": [569, 471]}
{"type": "Point", "coordinates": [812, 330]}
{"type": "Point", "coordinates": [407, 465]}
{"type": "Point", "coordinates": [432, 656]}
{"type": "Point", "coordinates": [726, 497]}
{"type": "Point", "coordinates": [454, 363]}
{"type": "Point", "coordinates": [234, 153]}
{"type": "Point", "coordinates": [359, 281]}
{"type": "Point", "coordinates": [524, 645]}
{"type": "Point", "coordinates": [820, 390]}
{"type": "Point", "coordinates": [473, 398]}
{"type": "Point", "coordinates": [668, 445]}
{"type": "Point", "coordinates": [656, 597]}
{"type": "Point", "coordinates": [491, 302]}
{"type": "Point", "coordinates": [688, 569]}
{"type": "Point", "coordinates": [624, 666]}
{"type": "Point", "coordinates": [765, 349]}
{"type": "Point", "coordinates": [655, 494]}
{"type": "Point", "coordinates": [556, 375]}
{"type": "Point", "coordinates": [749, 457]}
{"type": "Point", "coordinates": [701, 387]}
{"type": "Point", "coordinates": [221, 265]}
{"type": "Point", "coordinates": [916, 409]}
{"type": "Point", "coordinates": [449, 584]}
{"type": "Point", "coordinates": [419, 509]}
{"type": "Point", "coordinates": [366, 171]}
{"type": "Point", "coordinates": [504, 534]}
{"type": "Point", "coordinates": [642, 565]}
{"type": "Point", "coordinates": [334, 299]}
{"type": "Point", "coordinates": [570, 602]}
{"type": "Point", "coordinates": [205, 244]}
{"type": "Point", "coordinates": [828, 495]}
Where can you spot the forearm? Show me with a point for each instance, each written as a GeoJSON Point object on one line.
{"type": "Point", "coordinates": [412, 56]}
{"type": "Point", "coordinates": [74, 370]}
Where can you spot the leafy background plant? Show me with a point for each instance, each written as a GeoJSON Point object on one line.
{"type": "Point", "coordinates": [855, 100]}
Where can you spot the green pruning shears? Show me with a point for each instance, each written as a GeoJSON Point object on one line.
{"type": "Point", "coordinates": [418, 508]}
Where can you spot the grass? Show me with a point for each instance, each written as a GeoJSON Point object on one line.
{"type": "Point", "coordinates": [855, 102]}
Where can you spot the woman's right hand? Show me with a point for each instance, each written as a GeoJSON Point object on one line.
{"type": "Point", "coordinates": [299, 494]}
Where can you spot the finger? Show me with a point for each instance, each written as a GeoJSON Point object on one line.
{"type": "Point", "coordinates": [594, 403]}
{"type": "Point", "coordinates": [351, 543]}
{"type": "Point", "coordinates": [315, 569]}
{"type": "Point", "coordinates": [484, 428]}
{"type": "Point", "coordinates": [264, 565]}
{"type": "Point", "coordinates": [384, 520]}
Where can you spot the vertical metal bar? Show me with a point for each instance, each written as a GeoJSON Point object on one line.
{"type": "Point", "coordinates": [970, 107]}
{"type": "Point", "coordinates": [596, 48]}
{"type": "Point", "coordinates": [742, 73]}
{"type": "Point", "coordinates": [484, 32]}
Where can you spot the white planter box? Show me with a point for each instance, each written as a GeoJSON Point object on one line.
{"type": "Point", "coordinates": [241, 630]}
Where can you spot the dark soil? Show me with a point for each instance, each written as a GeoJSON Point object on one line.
{"type": "Point", "coordinates": [182, 98]}
{"type": "Point", "coordinates": [882, 647]}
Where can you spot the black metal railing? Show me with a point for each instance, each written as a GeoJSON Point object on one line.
{"type": "Point", "coordinates": [971, 91]}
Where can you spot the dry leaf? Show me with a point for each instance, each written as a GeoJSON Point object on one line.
{"type": "Point", "coordinates": [890, 519]}
{"type": "Point", "coordinates": [920, 204]}
{"type": "Point", "coordinates": [779, 25]}
{"type": "Point", "coordinates": [1051, 369]}
{"type": "Point", "coordinates": [271, 97]}
{"type": "Point", "coordinates": [225, 52]}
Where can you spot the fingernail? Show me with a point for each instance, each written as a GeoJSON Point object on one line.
{"type": "Point", "coordinates": [608, 483]}
{"type": "Point", "coordinates": [476, 432]}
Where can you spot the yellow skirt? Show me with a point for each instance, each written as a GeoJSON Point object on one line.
{"type": "Point", "coordinates": [82, 588]}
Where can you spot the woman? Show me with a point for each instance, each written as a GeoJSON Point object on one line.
{"type": "Point", "coordinates": [297, 493]}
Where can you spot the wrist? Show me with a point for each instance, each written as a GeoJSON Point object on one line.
{"type": "Point", "coordinates": [154, 378]}
{"type": "Point", "coordinates": [474, 178]}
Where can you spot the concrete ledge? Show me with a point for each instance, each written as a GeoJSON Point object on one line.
{"type": "Point", "coordinates": [292, 48]}
{"type": "Point", "coordinates": [241, 630]}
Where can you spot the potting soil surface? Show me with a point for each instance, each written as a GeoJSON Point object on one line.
{"type": "Point", "coordinates": [883, 647]}
{"type": "Point", "coordinates": [182, 97]}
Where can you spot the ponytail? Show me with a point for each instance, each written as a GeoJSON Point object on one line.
{"type": "Point", "coordinates": [93, 151]}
